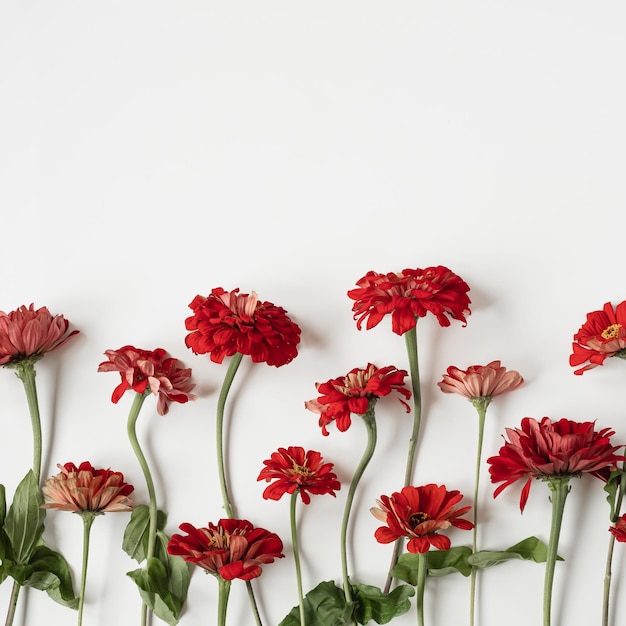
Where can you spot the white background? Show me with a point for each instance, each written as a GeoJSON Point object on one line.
{"type": "Point", "coordinates": [150, 151]}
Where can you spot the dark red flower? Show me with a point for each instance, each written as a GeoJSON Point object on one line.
{"type": "Point", "coordinates": [549, 449]}
{"type": "Point", "coordinates": [86, 489]}
{"type": "Point", "coordinates": [292, 469]}
{"type": "Point", "coordinates": [339, 397]}
{"type": "Point", "coordinates": [602, 335]}
{"type": "Point", "coordinates": [231, 549]}
{"type": "Point", "coordinates": [149, 370]}
{"type": "Point", "coordinates": [419, 513]}
{"type": "Point", "coordinates": [27, 333]}
{"type": "Point", "coordinates": [619, 529]}
{"type": "Point", "coordinates": [408, 295]}
{"type": "Point", "coordinates": [226, 322]}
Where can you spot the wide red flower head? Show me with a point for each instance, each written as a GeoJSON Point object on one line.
{"type": "Point", "coordinates": [28, 333]}
{"type": "Point", "coordinates": [353, 393]}
{"type": "Point", "coordinates": [419, 513]}
{"type": "Point", "coordinates": [292, 469]}
{"type": "Point", "coordinates": [602, 335]}
{"type": "Point", "coordinates": [480, 381]}
{"type": "Point", "coordinates": [619, 529]}
{"type": "Point", "coordinates": [231, 549]}
{"type": "Point", "coordinates": [146, 371]}
{"type": "Point", "coordinates": [86, 489]}
{"type": "Point", "coordinates": [410, 294]}
{"type": "Point", "coordinates": [550, 449]}
{"type": "Point", "coordinates": [226, 322]}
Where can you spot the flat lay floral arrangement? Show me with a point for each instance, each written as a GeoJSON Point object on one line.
{"type": "Point", "coordinates": [421, 523]}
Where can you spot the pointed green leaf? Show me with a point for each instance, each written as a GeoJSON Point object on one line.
{"type": "Point", "coordinates": [24, 521]}
{"type": "Point", "coordinates": [135, 542]}
{"type": "Point", "coordinates": [530, 549]}
{"type": "Point", "coordinates": [611, 487]}
{"type": "Point", "coordinates": [3, 504]}
{"type": "Point", "coordinates": [325, 605]}
{"type": "Point", "coordinates": [51, 573]}
{"type": "Point", "coordinates": [438, 563]}
{"type": "Point", "coordinates": [373, 604]}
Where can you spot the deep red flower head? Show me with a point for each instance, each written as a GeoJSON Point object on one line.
{"type": "Point", "coordinates": [619, 529]}
{"type": "Point", "coordinates": [86, 489]}
{"type": "Point", "coordinates": [408, 295]}
{"type": "Point", "coordinates": [292, 469]}
{"type": "Point", "coordinates": [231, 549]}
{"type": "Point", "coordinates": [549, 449]}
{"type": "Point", "coordinates": [602, 335]}
{"type": "Point", "coordinates": [146, 371]}
{"type": "Point", "coordinates": [226, 322]}
{"type": "Point", "coordinates": [339, 397]}
{"type": "Point", "coordinates": [27, 333]}
{"type": "Point", "coordinates": [480, 381]}
{"type": "Point", "coordinates": [419, 513]}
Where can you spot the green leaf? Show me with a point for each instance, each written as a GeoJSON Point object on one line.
{"type": "Point", "coordinates": [51, 573]}
{"type": "Point", "coordinates": [135, 542]}
{"type": "Point", "coordinates": [325, 605]}
{"type": "Point", "coordinates": [373, 604]}
{"type": "Point", "coordinates": [24, 521]}
{"type": "Point", "coordinates": [530, 549]}
{"type": "Point", "coordinates": [438, 563]}
{"type": "Point", "coordinates": [611, 487]}
{"type": "Point", "coordinates": [3, 504]}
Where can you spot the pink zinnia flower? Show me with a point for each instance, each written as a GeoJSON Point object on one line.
{"type": "Point", "coordinates": [153, 370]}
{"type": "Point", "coordinates": [27, 333]}
{"type": "Point", "coordinates": [84, 489]}
{"type": "Point", "coordinates": [353, 393]}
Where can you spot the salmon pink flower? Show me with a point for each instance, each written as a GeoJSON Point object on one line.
{"type": "Point", "coordinates": [410, 294]}
{"type": "Point", "coordinates": [549, 450]}
{"type": "Point", "coordinates": [229, 322]}
{"type": "Point", "coordinates": [146, 371]}
{"type": "Point", "coordinates": [419, 513]}
{"type": "Point", "coordinates": [619, 529]}
{"type": "Point", "coordinates": [28, 333]}
{"type": "Point", "coordinates": [230, 549]}
{"type": "Point", "coordinates": [84, 489]}
{"type": "Point", "coordinates": [354, 393]}
{"type": "Point", "coordinates": [294, 470]}
{"type": "Point", "coordinates": [602, 335]}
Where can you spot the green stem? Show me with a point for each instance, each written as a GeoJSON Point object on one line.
{"type": "Point", "coordinates": [559, 487]}
{"type": "Point", "coordinates": [152, 507]}
{"type": "Point", "coordinates": [222, 600]}
{"type": "Point", "coordinates": [88, 518]}
{"type": "Point", "coordinates": [15, 592]}
{"type": "Point", "coordinates": [25, 371]}
{"type": "Point", "coordinates": [221, 403]}
{"type": "Point", "coordinates": [296, 552]}
{"type": "Point", "coordinates": [410, 338]}
{"type": "Point", "coordinates": [370, 422]}
{"type": "Point", "coordinates": [421, 584]}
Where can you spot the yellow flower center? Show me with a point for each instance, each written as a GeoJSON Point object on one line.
{"type": "Point", "coordinates": [301, 470]}
{"type": "Point", "coordinates": [417, 518]}
{"type": "Point", "coordinates": [611, 332]}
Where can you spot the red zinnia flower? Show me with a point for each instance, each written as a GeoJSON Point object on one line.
{"type": "Point", "coordinates": [226, 322]}
{"type": "Point", "coordinates": [85, 489]}
{"type": "Point", "coordinates": [294, 469]}
{"type": "Point", "coordinates": [549, 449]}
{"type": "Point", "coordinates": [153, 369]}
{"type": "Point", "coordinates": [28, 334]}
{"type": "Point", "coordinates": [602, 335]}
{"type": "Point", "coordinates": [619, 529]}
{"type": "Point", "coordinates": [480, 381]}
{"type": "Point", "coordinates": [231, 549]}
{"type": "Point", "coordinates": [419, 513]}
{"type": "Point", "coordinates": [353, 393]}
{"type": "Point", "coordinates": [408, 295]}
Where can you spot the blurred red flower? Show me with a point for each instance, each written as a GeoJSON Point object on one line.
{"type": "Point", "coordinates": [602, 335]}
{"type": "Point", "coordinates": [408, 295]}
{"type": "Point", "coordinates": [353, 393]}
{"type": "Point", "coordinates": [419, 513]}
{"type": "Point", "coordinates": [292, 469]}
{"type": "Point", "coordinates": [480, 381]}
{"type": "Point", "coordinates": [231, 549]}
{"type": "Point", "coordinates": [619, 529]}
{"type": "Point", "coordinates": [549, 449]}
{"type": "Point", "coordinates": [27, 333]}
{"type": "Point", "coordinates": [226, 322]}
{"type": "Point", "coordinates": [149, 369]}
{"type": "Point", "coordinates": [86, 489]}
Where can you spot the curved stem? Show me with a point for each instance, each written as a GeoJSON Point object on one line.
{"type": "Point", "coordinates": [410, 338]}
{"type": "Point", "coordinates": [88, 519]}
{"type": "Point", "coordinates": [219, 435]}
{"type": "Point", "coordinates": [15, 592]}
{"type": "Point", "coordinates": [559, 487]}
{"type": "Point", "coordinates": [222, 600]}
{"type": "Point", "coordinates": [25, 371]}
{"type": "Point", "coordinates": [421, 584]}
{"type": "Point", "coordinates": [370, 423]}
{"type": "Point", "coordinates": [152, 506]}
{"type": "Point", "coordinates": [296, 552]}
